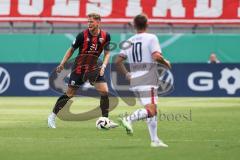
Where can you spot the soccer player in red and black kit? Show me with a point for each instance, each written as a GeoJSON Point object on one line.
{"type": "Point", "coordinates": [90, 42]}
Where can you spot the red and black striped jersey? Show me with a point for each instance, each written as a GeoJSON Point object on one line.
{"type": "Point", "coordinates": [90, 48]}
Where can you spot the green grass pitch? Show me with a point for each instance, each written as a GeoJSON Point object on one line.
{"type": "Point", "coordinates": [212, 132]}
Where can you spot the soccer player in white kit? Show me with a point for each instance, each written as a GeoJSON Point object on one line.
{"type": "Point", "coordinates": [143, 53]}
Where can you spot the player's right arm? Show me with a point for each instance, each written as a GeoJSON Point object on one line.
{"type": "Point", "coordinates": [66, 57]}
{"type": "Point", "coordinates": [121, 67]}
{"type": "Point", "coordinates": [76, 43]}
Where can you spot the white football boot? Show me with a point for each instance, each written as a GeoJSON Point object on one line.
{"type": "Point", "coordinates": [123, 122]}
{"type": "Point", "coordinates": [158, 143]}
{"type": "Point", "coordinates": [112, 124]}
{"type": "Point", "coordinates": [51, 120]}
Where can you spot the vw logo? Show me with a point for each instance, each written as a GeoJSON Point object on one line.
{"type": "Point", "coordinates": [4, 80]}
{"type": "Point", "coordinates": [166, 81]}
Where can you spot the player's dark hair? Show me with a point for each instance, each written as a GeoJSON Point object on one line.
{"type": "Point", "coordinates": [140, 22]}
{"type": "Point", "coordinates": [94, 16]}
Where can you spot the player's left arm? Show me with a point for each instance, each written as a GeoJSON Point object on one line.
{"type": "Point", "coordinates": [105, 62]}
{"type": "Point", "coordinates": [155, 50]}
{"type": "Point", "coordinates": [106, 54]}
{"type": "Point", "coordinates": [157, 56]}
{"type": "Point", "coordinates": [121, 67]}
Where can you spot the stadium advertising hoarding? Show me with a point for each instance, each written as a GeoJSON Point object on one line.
{"type": "Point", "coordinates": [122, 11]}
{"type": "Point", "coordinates": [200, 80]}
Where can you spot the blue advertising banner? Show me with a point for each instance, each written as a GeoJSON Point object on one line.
{"type": "Point", "coordinates": [189, 80]}
{"type": "Point", "coordinates": [206, 80]}
{"type": "Point", "coordinates": [25, 79]}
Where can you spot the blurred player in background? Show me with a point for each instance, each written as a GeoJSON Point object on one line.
{"type": "Point", "coordinates": [213, 59]}
{"type": "Point", "coordinates": [90, 42]}
{"type": "Point", "coordinates": [143, 55]}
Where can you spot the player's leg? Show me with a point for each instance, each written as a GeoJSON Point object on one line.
{"type": "Point", "coordinates": [102, 88]}
{"type": "Point", "coordinates": [148, 99]}
{"type": "Point", "coordinates": [61, 102]}
{"type": "Point", "coordinates": [152, 122]}
{"type": "Point", "coordinates": [63, 99]}
{"type": "Point", "coordinates": [74, 82]}
{"type": "Point", "coordinates": [148, 111]}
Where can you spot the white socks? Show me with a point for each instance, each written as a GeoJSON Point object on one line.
{"type": "Point", "coordinates": [151, 122]}
{"type": "Point", "coordinates": [53, 115]}
{"type": "Point", "coordinates": [152, 127]}
{"type": "Point", "coordinates": [137, 115]}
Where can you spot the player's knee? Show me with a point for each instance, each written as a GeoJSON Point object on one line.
{"type": "Point", "coordinates": [71, 92]}
{"type": "Point", "coordinates": [102, 88]}
{"type": "Point", "coordinates": [151, 109]}
{"type": "Point", "coordinates": [103, 93]}
{"type": "Point", "coordinates": [70, 95]}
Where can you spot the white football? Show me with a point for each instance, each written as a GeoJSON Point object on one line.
{"type": "Point", "coordinates": [103, 123]}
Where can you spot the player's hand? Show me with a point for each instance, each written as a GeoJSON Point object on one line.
{"type": "Point", "coordinates": [102, 70]}
{"type": "Point", "coordinates": [167, 64]}
{"type": "Point", "coordinates": [128, 76]}
{"type": "Point", "coordinates": [60, 67]}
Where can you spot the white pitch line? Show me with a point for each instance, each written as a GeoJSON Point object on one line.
{"type": "Point", "coordinates": [191, 140]}
{"type": "Point", "coordinates": [106, 139]}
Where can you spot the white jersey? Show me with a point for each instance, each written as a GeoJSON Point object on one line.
{"type": "Point", "coordinates": [138, 51]}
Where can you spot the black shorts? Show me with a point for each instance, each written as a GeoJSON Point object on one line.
{"type": "Point", "coordinates": [76, 79]}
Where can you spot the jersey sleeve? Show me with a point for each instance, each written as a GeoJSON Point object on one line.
{"type": "Point", "coordinates": [154, 45]}
{"type": "Point", "coordinates": [107, 44]}
{"type": "Point", "coordinates": [78, 41]}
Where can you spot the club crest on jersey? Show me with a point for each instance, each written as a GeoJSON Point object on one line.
{"type": "Point", "coordinates": [72, 82]}
{"type": "Point", "coordinates": [101, 40]}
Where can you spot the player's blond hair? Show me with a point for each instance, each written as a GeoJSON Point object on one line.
{"type": "Point", "coordinates": [94, 16]}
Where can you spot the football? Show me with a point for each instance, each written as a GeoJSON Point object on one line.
{"type": "Point", "coordinates": [103, 123]}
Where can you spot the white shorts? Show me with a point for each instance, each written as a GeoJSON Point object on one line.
{"type": "Point", "coordinates": [147, 96]}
